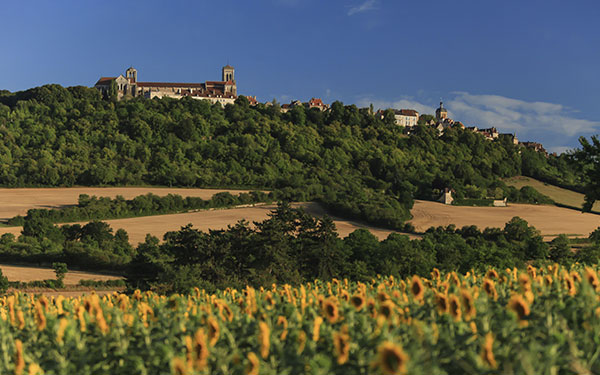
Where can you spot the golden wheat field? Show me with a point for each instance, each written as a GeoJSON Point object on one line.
{"type": "Point", "coordinates": [534, 321]}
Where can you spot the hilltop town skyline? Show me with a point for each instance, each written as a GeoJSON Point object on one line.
{"type": "Point", "coordinates": [520, 67]}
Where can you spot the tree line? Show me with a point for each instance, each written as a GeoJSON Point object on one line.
{"type": "Point", "coordinates": [357, 164]}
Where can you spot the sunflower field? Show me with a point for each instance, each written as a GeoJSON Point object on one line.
{"type": "Point", "coordinates": [530, 321]}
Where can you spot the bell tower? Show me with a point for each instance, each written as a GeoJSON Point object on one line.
{"type": "Point", "coordinates": [131, 74]}
{"type": "Point", "coordinates": [228, 73]}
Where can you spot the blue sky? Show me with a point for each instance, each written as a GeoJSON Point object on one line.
{"type": "Point", "coordinates": [529, 67]}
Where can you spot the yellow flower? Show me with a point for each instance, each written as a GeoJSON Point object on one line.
{"type": "Point", "coordinates": [468, 304]}
{"type": "Point", "coordinates": [281, 320]}
{"type": "Point", "coordinates": [441, 302]}
{"type": "Point", "coordinates": [317, 328]}
{"type": "Point", "coordinates": [301, 342]}
{"type": "Point", "coordinates": [20, 319]}
{"type": "Point", "coordinates": [19, 360]}
{"type": "Point", "coordinates": [487, 354]}
{"type": "Point", "coordinates": [520, 307]}
{"type": "Point", "coordinates": [62, 326]}
{"type": "Point", "coordinates": [180, 366]}
{"type": "Point", "coordinates": [35, 369]}
{"type": "Point", "coordinates": [264, 338]}
{"type": "Point", "coordinates": [213, 330]}
{"type": "Point", "coordinates": [592, 278]}
{"type": "Point", "coordinates": [416, 287]}
{"type": "Point", "coordinates": [331, 310]}
{"type": "Point", "coordinates": [200, 349]}
{"type": "Point", "coordinates": [490, 288]}
{"type": "Point", "coordinates": [391, 359]}
{"type": "Point", "coordinates": [455, 309]}
{"type": "Point", "coordinates": [341, 345]}
{"type": "Point", "coordinates": [386, 309]}
{"type": "Point", "coordinates": [358, 301]}
{"type": "Point", "coordinates": [253, 364]}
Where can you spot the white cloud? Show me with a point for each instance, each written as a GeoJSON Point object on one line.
{"type": "Point", "coordinates": [397, 104]}
{"type": "Point", "coordinates": [514, 115]}
{"type": "Point", "coordinates": [366, 6]}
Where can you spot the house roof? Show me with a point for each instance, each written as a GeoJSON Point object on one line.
{"type": "Point", "coordinates": [170, 84]}
{"type": "Point", "coordinates": [228, 67]}
{"type": "Point", "coordinates": [407, 112]}
{"type": "Point", "coordinates": [105, 80]}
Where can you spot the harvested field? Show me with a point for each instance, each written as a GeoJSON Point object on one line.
{"type": "Point", "coordinates": [15, 202]}
{"type": "Point", "coordinates": [27, 273]}
{"type": "Point", "coordinates": [138, 227]}
{"type": "Point", "coordinates": [549, 220]}
{"type": "Point", "coordinates": [558, 194]}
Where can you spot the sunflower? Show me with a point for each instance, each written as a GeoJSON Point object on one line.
{"type": "Point", "coordinates": [358, 301]}
{"type": "Point", "coordinates": [570, 285]}
{"type": "Point", "coordinates": [20, 319]}
{"type": "Point", "coordinates": [341, 345]}
{"type": "Point", "coordinates": [548, 280]}
{"type": "Point", "coordinates": [331, 310]}
{"type": "Point", "coordinates": [200, 349]}
{"type": "Point", "coordinates": [518, 304]}
{"type": "Point", "coordinates": [301, 342]}
{"type": "Point", "coordinates": [391, 358]}
{"type": "Point", "coordinates": [490, 288]}
{"type": "Point", "coordinates": [19, 360]}
{"type": "Point", "coordinates": [455, 309]}
{"type": "Point", "coordinates": [532, 271]}
{"type": "Point", "coordinates": [487, 353]}
{"type": "Point", "coordinates": [317, 328]}
{"type": "Point", "coordinates": [468, 304]}
{"type": "Point", "coordinates": [435, 274]}
{"type": "Point", "coordinates": [441, 302]}
{"type": "Point", "coordinates": [386, 309]}
{"type": "Point", "coordinates": [62, 326]}
{"type": "Point", "coordinates": [525, 282]}
{"type": "Point", "coordinates": [282, 321]}
{"type": "Point", "coordinates": [253, 364]}
{"type": "Point", "coordinates": [264, 338]}
{"type": "Point", "coordinates": [213, 330]}
{"type": "Point", "coordinates": [592, 278]}
{"type": "Point", "coordinates": [416, 287]}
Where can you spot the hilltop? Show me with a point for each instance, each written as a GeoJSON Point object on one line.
{"type": "Point", "coordinates": [356, 163]}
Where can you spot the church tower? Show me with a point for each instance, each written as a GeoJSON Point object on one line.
{"type": "Point", "coordinates": [131, 74]}
{"type": "Point", "coordinates": [228, 73]}
{"type": "Point", "coordinates": [441, 113]}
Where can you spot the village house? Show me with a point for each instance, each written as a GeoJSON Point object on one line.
{"type": "Point", "coordinates": [223, 92]}
{"type": "Point", "coordinates": [406, 117]}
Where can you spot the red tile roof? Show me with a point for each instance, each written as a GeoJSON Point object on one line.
{"type": "Point", "coordinates": [170, 84]}
{"type": "Point", "coordinates": [407, 112]}
{"type": "Point", "coordinates": [105, 80]}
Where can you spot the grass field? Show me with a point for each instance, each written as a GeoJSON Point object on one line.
{"type": "Point", "coordinates": [549, 220]}
{"type": "Point", "coordinates": [558, 194]}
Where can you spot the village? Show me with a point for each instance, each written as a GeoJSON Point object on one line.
{"type": "Point", "coordinates": [225, 92]}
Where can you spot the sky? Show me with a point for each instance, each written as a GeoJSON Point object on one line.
{"type": "Point", "coordinates": [528, 67]}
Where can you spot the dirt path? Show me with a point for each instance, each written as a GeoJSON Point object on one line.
{"type": "Point", "coordinates": [549, 220]}
{"type": "Point", "coordinates": [15, 202]}
{"type": "Point", "coordinates": [27, 273]}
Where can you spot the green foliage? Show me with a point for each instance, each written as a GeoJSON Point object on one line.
{"type": "Point", "coordinates": [3, 283]}
{"type": "Point", "coordinates": [357, 164]}
{"type": "Point", "coordinates": [60, 269]}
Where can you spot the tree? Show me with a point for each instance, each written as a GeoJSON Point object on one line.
{"type": "Point", "coordinates": [60, 269]}
{"type": "Point", "coordinates": [590, 154]}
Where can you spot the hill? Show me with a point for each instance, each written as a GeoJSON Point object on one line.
{"type": "Point", "coordinates": [562, 196]}
{"type": "Point", "coordinates": [355, 163]}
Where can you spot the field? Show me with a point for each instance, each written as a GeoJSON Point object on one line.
{"type": "Point", "coordinates": [15, 202]}
{"type": "Point", "coordinates": [534, 321]}
{"type": "Point", "coordinates": [26, 274]}
{"type": "Point", "coordinates": [549, 220]}
{"type": "Point", "coordinates": [559, 195]}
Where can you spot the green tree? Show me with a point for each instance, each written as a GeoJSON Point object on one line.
{"type": "Point", "coordinates": [60, 269]}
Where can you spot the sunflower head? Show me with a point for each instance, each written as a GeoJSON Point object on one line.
{"type": "Point", "coordinates": [358, 301]}
{"type": "Point", "coordinates": [490, 288]}
{"type": "Point", "coordinates": [592, 278]}
{"type": "Point", "coordinates": [253, 364]}
{"type": "Point", "coordinates": [331, 310]}
{"type": "Point", "coordinates": [468, 304]}
{"type": "Point", "coordinates": [492, 274]}
{"type": "Point", "coordinates": [213, 330]}
{"type": "Point", "coordinates": [341, 345]}
{"type": "Point", "coordinates": [441, 302]}
{"type": "Point", "coordinates": [520, 307]}
{"type": "Point", "coordinates": [454, 307]}
{"type": "Point", "coordinates": [386, 309]}
{"type": "Point", "coordinates": [416, 288]}
{"type": "Point", "coordinates": [391, 359]}
{"type": "Point", "coordinates": [487, 354]}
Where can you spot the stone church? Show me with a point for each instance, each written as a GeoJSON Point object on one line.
{"type": "Point", "coordinates": [223, 92]}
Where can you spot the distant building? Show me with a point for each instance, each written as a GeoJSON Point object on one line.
{"type": "Point", "coordinates": [317, 103]}
{"type": "Point", "coordinates": [441, 113]}
{"type": "Point", "coordinates": [446, 197]}
{"type": "Point", "coordinates": [490, 133]}
{"type": "Point", "coordinates": [223, 92]}
{"type": "Point", "coordinates": [538, 147]}
{"type": "Point", "coordinates": [406, 117]}
{"type": "Point", "coordinates": [251, 100]}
